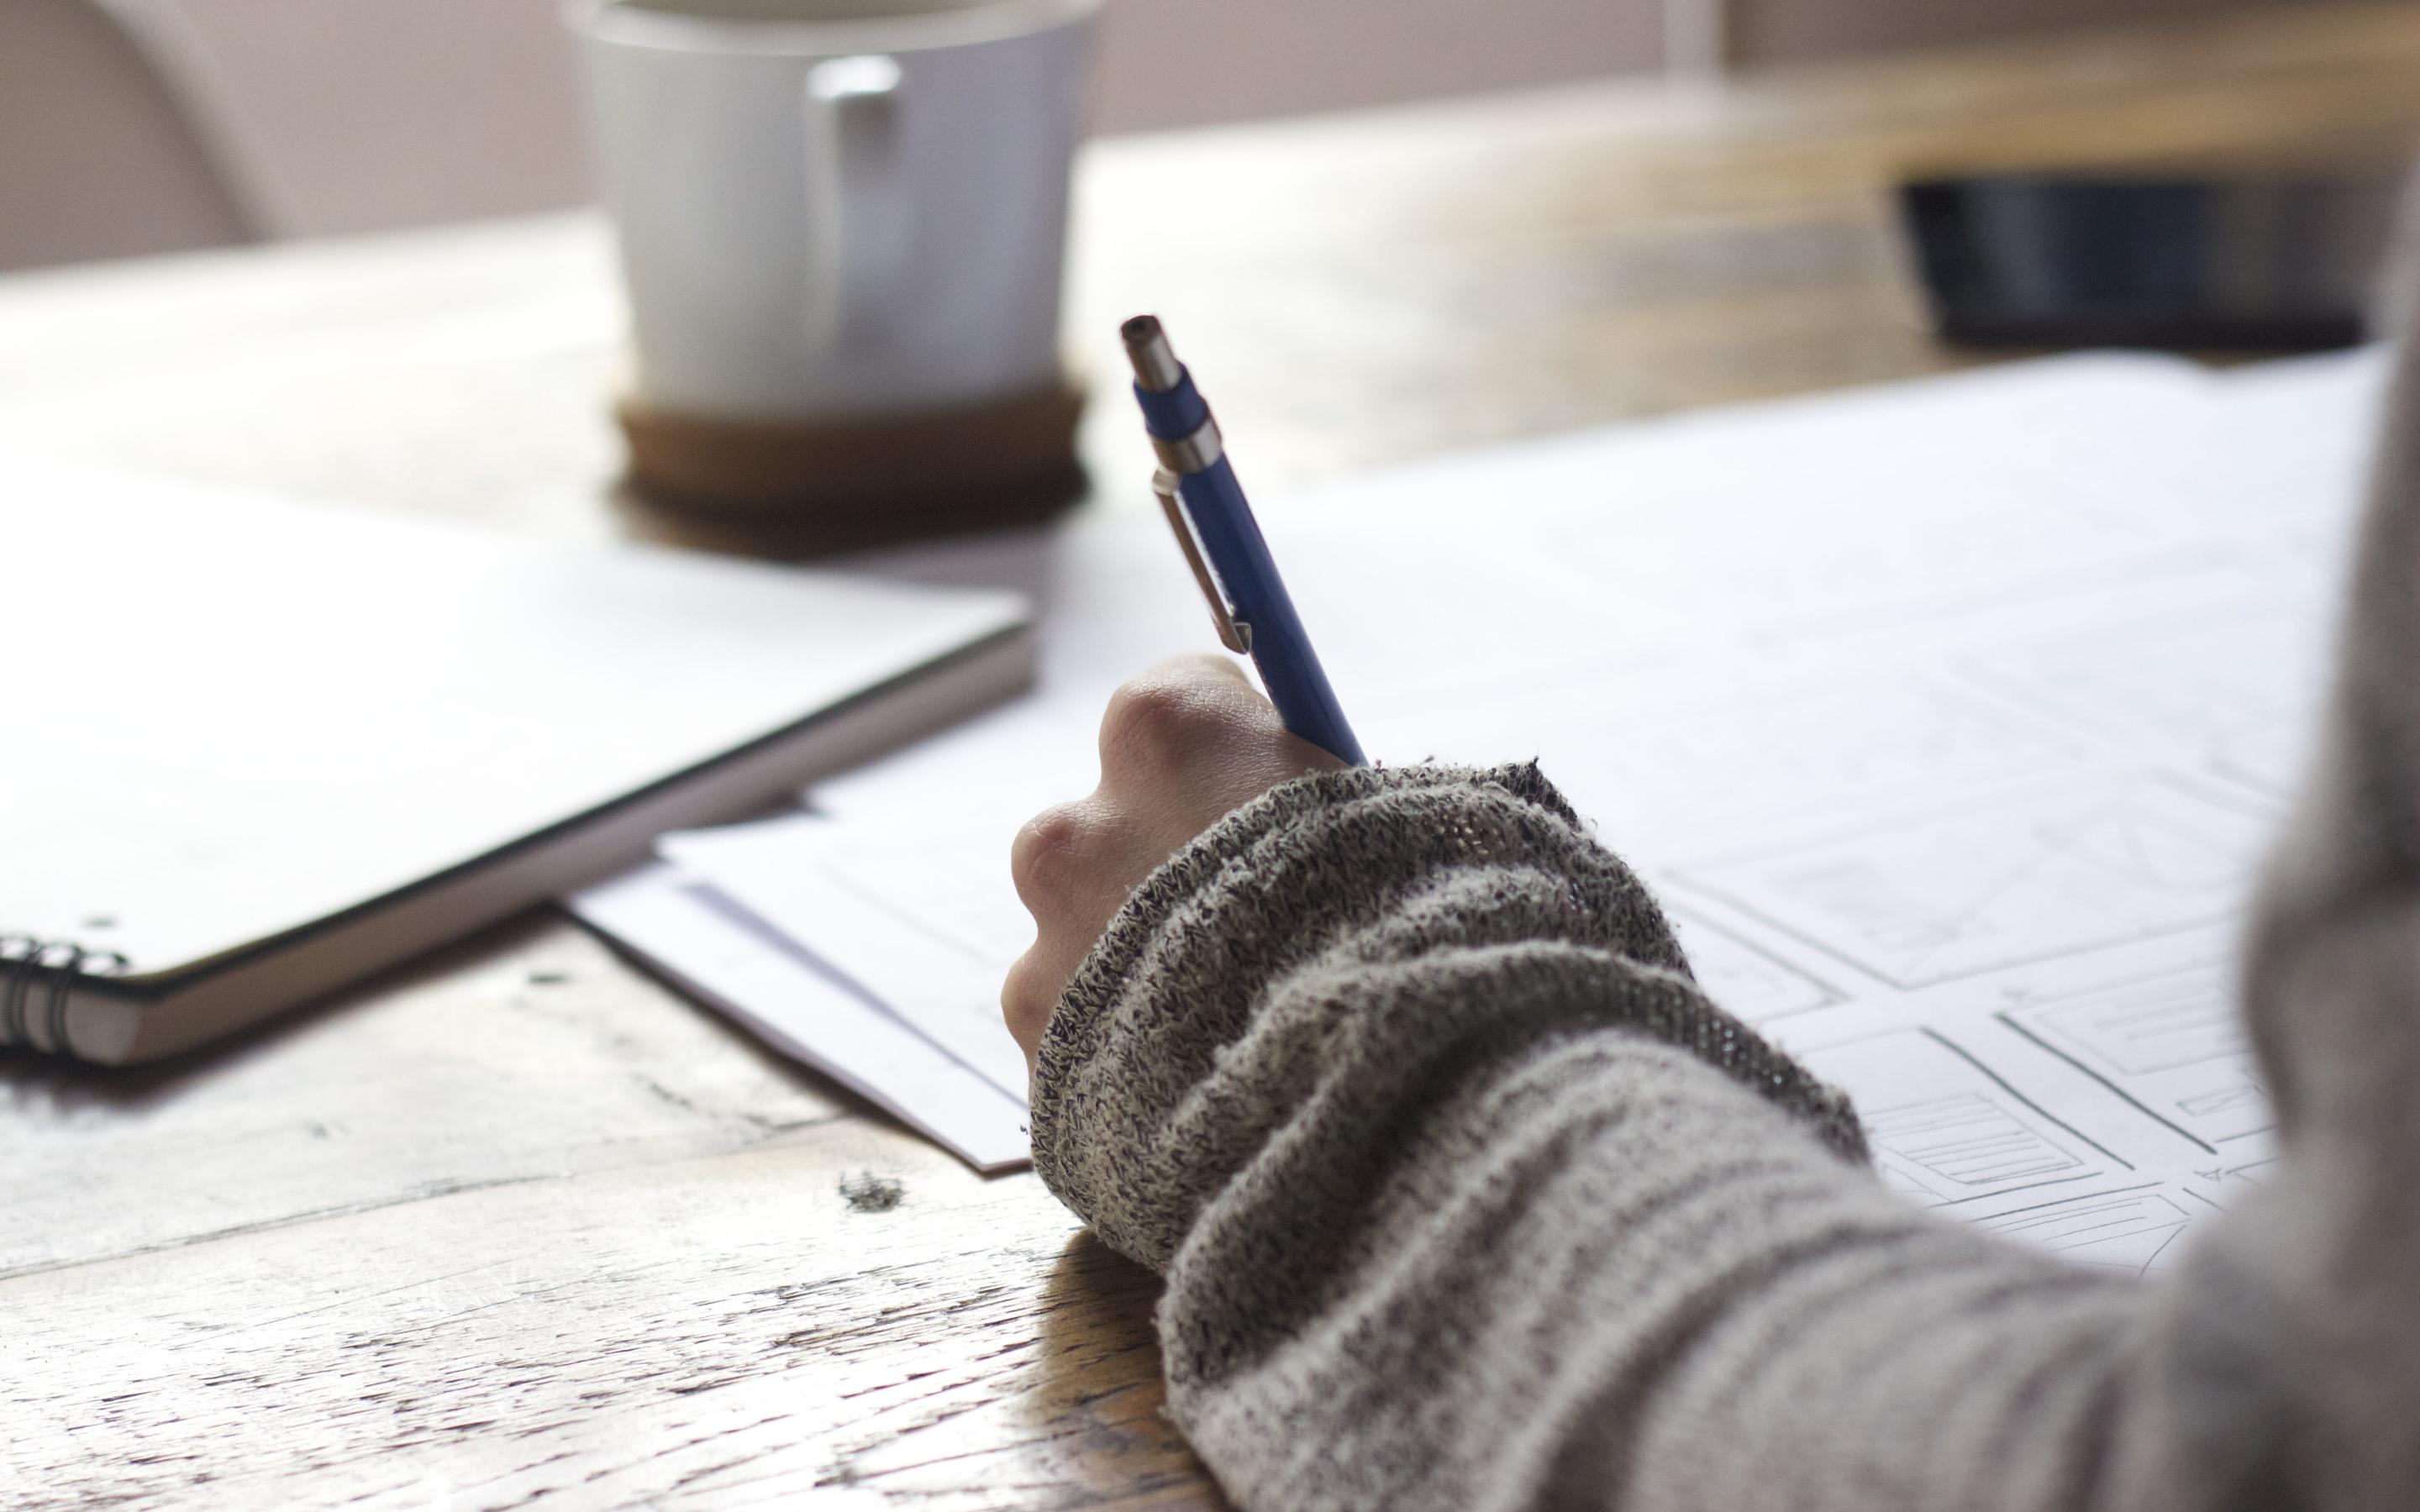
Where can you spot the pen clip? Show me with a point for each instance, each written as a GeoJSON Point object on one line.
{"type": "Point", "coordinates": [1235, 634]}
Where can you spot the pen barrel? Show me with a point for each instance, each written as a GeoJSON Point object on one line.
{"type": "Point", "coordinates": [1297, 683]}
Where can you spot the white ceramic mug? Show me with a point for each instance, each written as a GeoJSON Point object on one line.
{"type": "Point", "coordinates": [838, 207]}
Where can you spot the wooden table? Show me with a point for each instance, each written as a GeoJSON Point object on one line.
{"type": "Point", "coordinates": [517, 1221]}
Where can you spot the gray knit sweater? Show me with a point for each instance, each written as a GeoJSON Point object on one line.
{"type": "Point", "coordinates": [1466, 1198]}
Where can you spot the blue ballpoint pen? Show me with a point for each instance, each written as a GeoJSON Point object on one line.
{"type": "Point", "coordinates": [1205, 507]}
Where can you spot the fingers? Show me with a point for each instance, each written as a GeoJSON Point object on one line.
{"type": "Point", "coordinates": [1043, 862]}
{"type": "Point", "coordinates": [1070, 867]}
{"type": "Point", "coordinates": [1181, 746]}
{"type": "Point", "coordinates": [1035, 985]}
{"type": "Point", "coordinates": [1048, 856]}
{"type": "Point", "coordinates": [1192, 738]}
{"type": "Point", "coordinates": [1176, 711]}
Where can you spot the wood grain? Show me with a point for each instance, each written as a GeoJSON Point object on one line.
{"type": "Point", "coordinates": [517, 1224]}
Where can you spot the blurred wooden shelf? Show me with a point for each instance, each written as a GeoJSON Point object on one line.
{"type": "Point", "coordinates": [520, 1222]}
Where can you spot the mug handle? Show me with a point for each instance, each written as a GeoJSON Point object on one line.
{"type": "Point", "coordinates": [857, 204]}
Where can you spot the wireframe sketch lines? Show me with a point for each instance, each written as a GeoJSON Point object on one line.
{"type": "Point", "coordinates": [1967, 1141]}
{"type": "Point", "coordinates": [2234, 697]}
{"type": "Point", "coordinates": [1671, 771]}
{"type": "Point", "coordinates": [2247, 1094]}
{"type": "Point", "coordinates": [1943, 1131]}
{"type": "Point", "coordinates": [2225, 1183]}
{"type": "Point", "coordinates": [1952, 895]}
{"type": "Point", "coordinates": [1743, 981]}
{"type": "Point", "coordinates": [2144, 1028]}
{"type": "Point", "coordinates": [2131, 1231]}
{"type": "Point", "coordinates": [2174, 1046]}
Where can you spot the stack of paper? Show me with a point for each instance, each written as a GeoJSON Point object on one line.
{"type": "Point", "coordinates": [967, 1096]}
{"type": "Point", "coordinates": [1949, 720]}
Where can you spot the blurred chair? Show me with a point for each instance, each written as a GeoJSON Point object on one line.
{"type": "Point", "coordinates": [112, 143]}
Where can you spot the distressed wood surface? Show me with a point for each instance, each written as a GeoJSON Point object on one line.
{"type": "Point", "coordinates": [519, 1223]}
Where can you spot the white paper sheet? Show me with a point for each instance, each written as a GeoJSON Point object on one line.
{"type": "Point", "coordinates": [1949, 721]}
{"type": "Point", "coordinates": [934, 954]}
{"type": "Point", "coordinates": [789, 999]}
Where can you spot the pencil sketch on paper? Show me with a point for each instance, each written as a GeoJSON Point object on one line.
{"type": "Point", "coordinates": [2174, 1045]}
{"type": "Point", "coordinates": [2233, 697]}
{"type": "Point", "coordinates": [1943, 1130]}
{"type": "Point", "coordinates": [1965, 1142]}
{"type": "Point", "coordinates": [1665, 773]}
{"type": "Point", "coordinates": [2226, 1182]}
{"type": "Point", "coordinates": [2132, 1231]}
{"type": "Point", "coordinates": [1743, 981]}
{"type": "Point", "coordinates": [2005, 882]}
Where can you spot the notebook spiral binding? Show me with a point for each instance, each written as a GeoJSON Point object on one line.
{"type": "Point", "coordinates": [26, 961]}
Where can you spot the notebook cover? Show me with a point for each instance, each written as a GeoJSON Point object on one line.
{"type": "Point", "coordinates": [254, 714]}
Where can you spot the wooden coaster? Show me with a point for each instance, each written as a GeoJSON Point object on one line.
{"type": "Point", "coordinates": [808, 487]}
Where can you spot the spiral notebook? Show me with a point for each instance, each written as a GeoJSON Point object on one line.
{"type": "Point", "coordinates": [254, 750]}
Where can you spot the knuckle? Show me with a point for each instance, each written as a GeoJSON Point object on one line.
{"type": "Point", "coordinates": [1049, 850]}
{"type": "Point", "coordinates": [1160, 721]}
{"type": "Point", "coordinates": [1024, 1004]}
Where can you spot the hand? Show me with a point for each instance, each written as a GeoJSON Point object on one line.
{"type": "Point", "coordinates": [1182, 746]}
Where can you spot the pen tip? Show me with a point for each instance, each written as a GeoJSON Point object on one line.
{"type": "Point", "coordinates": [1156, 369]}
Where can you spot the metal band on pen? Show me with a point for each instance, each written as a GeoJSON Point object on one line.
{"type": "Point", "coordinates": [1192, 453]}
